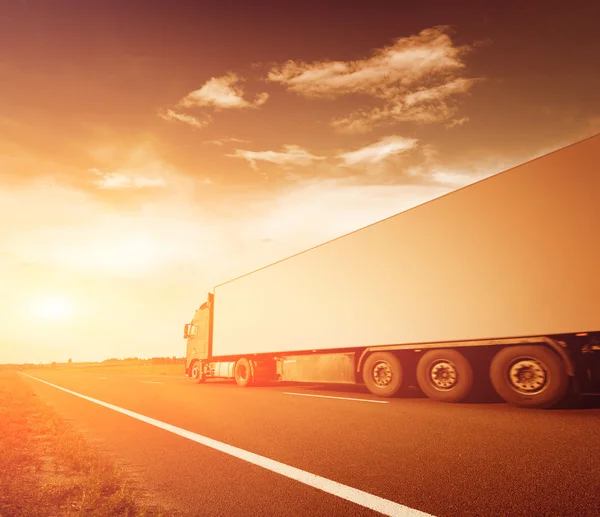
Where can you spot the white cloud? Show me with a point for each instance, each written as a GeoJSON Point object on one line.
{"type": "Point", "coordinates": [406, 62]}
{"type": "Point", "coordinates": [131, 168]}
{"type": "Point", "coordinates": [222, 141]}
{"type": "Point", "coordinates": [117, 180]}
{"type": "Point", "coordinates": [423, 106]}
{"type": "Point", "coordinates": [424, 95]}
{"type": "Point", "coordinates": [431, 171]}
{"type": "Point", "coordinates": [457, 122]}
{"type": "Point", "coordinates": [413, 77]}
{"type": "Point", "coordinates": [222, 93]}
{"type": "Point", "coordinates": [379, 151]}
{"type": "Point", "coordinates": [196, 122]}
{"type": "Point", "coordinates": [291, 155]}
{"type": "Point", "coordinates": [457, 178]}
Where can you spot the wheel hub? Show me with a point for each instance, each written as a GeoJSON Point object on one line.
{"type": "Point", "coordinates": [528, 376]}
{"type": "Point", "coordinates": [443, 375]}
{"type": "Point", "coordinates": [382, 374]}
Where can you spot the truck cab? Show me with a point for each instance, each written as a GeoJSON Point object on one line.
{"type": "Point", "coordinates": [197, 333]}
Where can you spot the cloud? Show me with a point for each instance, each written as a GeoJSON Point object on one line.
{"type": "Point", "coordinates": [196, 122]}
{"type": "Point", "coordinates": [457, 122]}
{"type": "Point", "coordinates": [131, 168]}
{"type": "Point", "coordinates": [414, 77]}
{"type": "Point", "coordinates": [431, 171]}
{"type": "Point", "coordinates": [291, 155]}
{"type": "Point", "coordinates": [379, 151]}
{"type": "Point", "coordinates": [423, 106]}
{"type": "Point", "coordinates": [117, 180]}
{"type": "Point", "coordinates": [222, 93]}
{"type": "Point", "coordinates": [222, 141]}
{"type": "Point", "coordinates": [406, 62]}
{"type": "Point", "coordinates": [457, 178]}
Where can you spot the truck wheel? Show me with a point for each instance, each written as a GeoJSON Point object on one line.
{"type": "Point", "coordinates": [382, 374]}
{"type": "Point", "coordinates": [243, 372]}
{"type": "Point", "coordinates": [529, 376]}
{"type": "Point", "coordinates": [195, 370]}
{"type": "Point", "coordinates": [445, 375]}
{"type": "Point", "coordinates": [201, 377]}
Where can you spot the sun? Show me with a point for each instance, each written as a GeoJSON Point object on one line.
{"type": "Point", "coordinates": [52, 308]}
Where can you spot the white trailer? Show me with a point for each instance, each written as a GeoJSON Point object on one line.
{"type": "Point", "coordinates": [501, 276]}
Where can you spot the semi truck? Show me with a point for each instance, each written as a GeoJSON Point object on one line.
{"type": "Point", "coordinates": [495, 283]}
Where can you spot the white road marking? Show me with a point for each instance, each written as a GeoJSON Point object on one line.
{"type": "Point", "coordinates": [152, 382]}
{"type": "Point", "coordinates": [102, 378]}
{"type": "Point", "coordinates": [354, 495]}
{"type": "Point", "coordinates": [338, 398]}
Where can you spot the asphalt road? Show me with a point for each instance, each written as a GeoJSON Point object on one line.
{"type": "Point", "coordinates": [485, 459]}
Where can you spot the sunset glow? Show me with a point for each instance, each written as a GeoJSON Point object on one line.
{"type": "Point", "coordinates": [51, 308]}
{"type": "Point", "coordinates": [141, 164]}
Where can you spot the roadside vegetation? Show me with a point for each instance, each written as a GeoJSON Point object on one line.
{"type": "Point", "coordinates": [171, 366]}
{"type": "Point", "coordinates": [135, 369]}
{"type": "Point", "coordinates": [48, 468]}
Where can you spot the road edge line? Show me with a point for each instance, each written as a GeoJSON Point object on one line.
{"type": "Point", "coordinates": [337, 398]}
{"type": "Point", "coordinates": [354, 495]}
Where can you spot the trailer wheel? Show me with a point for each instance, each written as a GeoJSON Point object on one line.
{"type": "Point", "coordinates": [382, 374]}
{"type": "Point", "coordinates": [445, 375]}
{"type": "Point", "coordinates": [529, 376]}
{"type": "Point", "coordinates": [243, 372]}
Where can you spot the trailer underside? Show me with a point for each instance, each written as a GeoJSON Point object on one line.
{"type": "Point", "coordinates": [538, 371]}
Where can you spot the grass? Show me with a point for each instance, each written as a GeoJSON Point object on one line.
{"type": "Point", "coordinates": [48, 469]}
{"type": "Point", "coordinates": [135, 369]}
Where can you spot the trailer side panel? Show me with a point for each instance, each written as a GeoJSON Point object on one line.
{"type": "Point", "coordinates": [517, 254]}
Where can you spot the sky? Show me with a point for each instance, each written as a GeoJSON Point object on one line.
{"type": "Point", "coordinates": [151, 150]}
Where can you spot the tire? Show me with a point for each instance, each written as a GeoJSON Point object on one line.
{"type": "Point", "coordinates": [445, 375]}
{"type": "Point", "coordinates": [382, 374]}
{"type": "Point", "coordinates": [197, 373]}
{"type": "Point", "coordinates": [529, 376]}
{"type": "Point", "coordinates": [243, 373]}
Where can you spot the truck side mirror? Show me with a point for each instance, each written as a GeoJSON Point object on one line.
{"type": "Point", "coordinates": [185, 331]}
